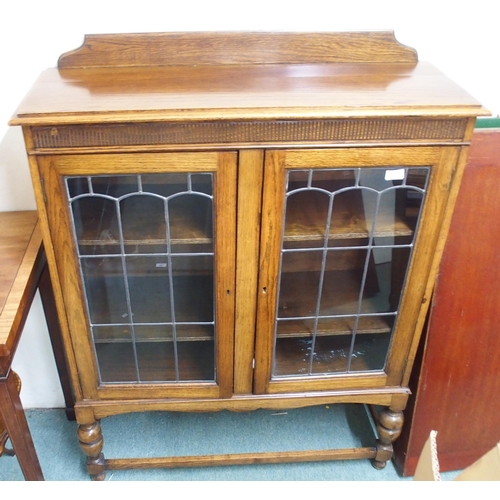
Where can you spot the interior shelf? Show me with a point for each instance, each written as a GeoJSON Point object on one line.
{"type": "Point", "coordinates": [152, 265]}
{"type": "Point", "coordinates": [191, 224]}
{"type": "Point", "coordinates": [335, 326]}
{"type": "Point", "coordinates": [156, 362]}
{"type": "Point", "coordinates": [306, 221]}
{"type": "Point", "coordinates": [331, 355]}
{"type": "Point", "coordinates": [150, 300]}
{"type": "Point", "coordinates": [96, 224]}
{"type": "Point", "coordinates": [340, 294]}
{"type": "Point", "coordinates": [153, 333]}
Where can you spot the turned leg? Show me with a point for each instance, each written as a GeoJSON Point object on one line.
{"type": "Point", "coordinates": [389, 425]}
{"type": "Point", "coordinates": [91, 443]}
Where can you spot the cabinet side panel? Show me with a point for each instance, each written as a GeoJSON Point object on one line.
{"type": "Point", "coordinates": [52, 265]}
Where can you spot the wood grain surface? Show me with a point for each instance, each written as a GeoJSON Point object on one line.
{"type": "Point", "coordinates": [456, 389]}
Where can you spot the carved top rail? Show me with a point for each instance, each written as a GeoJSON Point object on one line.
{"type": "Point", "coordinates": [216, 48]}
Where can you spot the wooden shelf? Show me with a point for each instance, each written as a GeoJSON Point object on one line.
{"type": "Point", "coordinates": [306, 221]}
{"type": "Point", "coordinates": [152, 333]}
{"type": "Point", "coordinates": [335, 326]}
{"type": "Point", "coordinates": [331, 355]}
{"type": "Point", "coordinates": [189, 223]}
{"type": "Point", "coordinates": [152, 266]}
{"type": "Point", "coordinates": [156, 362]}
{"type": "Point", "coordinates": [340, 290]}
{"type": "Point", "coordinates": [150, 300]}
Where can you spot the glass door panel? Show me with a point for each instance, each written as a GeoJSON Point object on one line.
{"type": "Point", "coordinates": [347, 241]}
{"type": "Point", "coordinates": [146, 251]}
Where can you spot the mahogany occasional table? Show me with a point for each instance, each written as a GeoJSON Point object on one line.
{"type": "Point", "coordinates": [23, 270]}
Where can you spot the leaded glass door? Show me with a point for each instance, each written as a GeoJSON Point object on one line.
{"type": "Point", "coordinates": [344, 234]}
{"type": "Point", "coordinates": [155, 266]}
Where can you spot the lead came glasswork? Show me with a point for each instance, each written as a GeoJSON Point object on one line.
{"type": "Point", "coordinates": [145, 245]}
{"type": "Point", "coordinates": [346, 246]}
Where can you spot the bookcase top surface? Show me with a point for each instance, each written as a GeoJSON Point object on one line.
{"type": "Point", "coordinates": [135, 78]}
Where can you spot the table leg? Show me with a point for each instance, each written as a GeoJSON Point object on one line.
{"type": "Point", "coordinates": [18, 430]}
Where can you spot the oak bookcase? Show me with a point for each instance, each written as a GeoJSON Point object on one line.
{"type": "Point", "coordinates": [243, 220]}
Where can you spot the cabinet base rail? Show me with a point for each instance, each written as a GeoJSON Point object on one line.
{"type": "Point", "coordinates": [240, 459]}
{"type": "Point", "coordinates": [388, 424]}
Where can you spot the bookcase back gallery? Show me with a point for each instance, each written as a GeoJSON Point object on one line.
{"type": "Point", "coordinates": [243, 220]}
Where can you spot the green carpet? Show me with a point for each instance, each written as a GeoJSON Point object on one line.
{"type": "Point", "coordinates": [170, 433]}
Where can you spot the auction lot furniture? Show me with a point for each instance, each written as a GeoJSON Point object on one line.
{"type": "Point", "coordinates": [243, 220]}
{"type": "Point", "coordinates": [456, 385]}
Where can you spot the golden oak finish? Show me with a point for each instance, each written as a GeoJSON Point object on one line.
{"type": "Point", "coordinates": [242, 459]}
{"type": "Point", "coordinates": [346, 90]}
{"type": "Point", "coordinates": [442, 161]}
{"type": "Point", "coordinates": [40, 196]}
{"type": "Point", "coordinates": [247, 267]}
{"type": "Point", "coordinates": [209, 76]}
{"type": "Point", "coordinates": [224, 165]}
{"type": "Point", "coordinates": [243, 220]}
{"type": "Point", "coordinates": [385, 397]}
{"type": "Point", "coordinates": [186, 49]}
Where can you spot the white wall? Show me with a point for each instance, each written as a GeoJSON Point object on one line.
{"type": "Point", "coordinates": [459, 37]}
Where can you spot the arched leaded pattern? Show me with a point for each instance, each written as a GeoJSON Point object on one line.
{"type": "Point", "coordinates": [346, 245]}
{"type": "Point", "coordinates": [145, 245]}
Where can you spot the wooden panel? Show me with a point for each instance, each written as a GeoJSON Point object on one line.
{"type": "Point", "coordinates": [53, 270]}
{"type": "Point", "coordinates": [382, 396]}
{"type": "Point", "coordinates": [231, 132]}
{"type": "Point", "coordinates": [458, 385]}
{"type": "Point", "coordinates": [141, 49]}
{"type": "Point", "coordinates": [136, 163]}
{"type": "Point", "coordinates": [273, 208]}
{"type": "Point", "coordinates": [225, 273]}
{"type": "Point", "coordinates": [65, 258]}
{"type": "Point", "coordinates": [250, 173]}
{"type": "Point", "coordinates": [360, 157]}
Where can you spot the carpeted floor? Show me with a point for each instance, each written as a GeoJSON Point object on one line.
{"type": "Point", "coordinates": [162, 434]}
